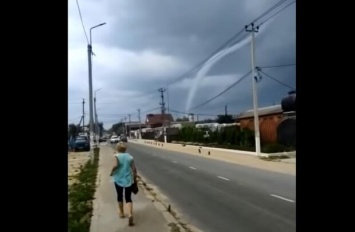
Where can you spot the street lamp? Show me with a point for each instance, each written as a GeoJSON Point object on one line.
{"type": "Point", "coordinates": [97, 133]}
{"type": "Point", "coordinates": [90, 91]}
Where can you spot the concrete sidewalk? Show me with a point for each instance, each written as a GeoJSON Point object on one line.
{"type": "Point", "coordinates": [105, 217]}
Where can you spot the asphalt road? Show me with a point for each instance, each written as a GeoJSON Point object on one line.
{"type": "Point", "coordinates": [218, 196]}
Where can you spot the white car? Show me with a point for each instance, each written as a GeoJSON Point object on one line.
{"type": "Point", "coordinates": [114, 139]}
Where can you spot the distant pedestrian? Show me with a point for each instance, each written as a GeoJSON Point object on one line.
{"type": "Point", "coordinates": [124, 174]}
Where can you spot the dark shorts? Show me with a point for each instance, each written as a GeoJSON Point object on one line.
{"type": "Point", "coordinates": [127, 193]}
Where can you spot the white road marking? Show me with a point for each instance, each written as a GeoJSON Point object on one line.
{"type": "Point", "coordinates": [285, 199]}
{"type": "Point", "coordinates": [174, 162]}
{"type": "Point", "coordinates": [223, 178]}
{"type": "Point", "coordinates": [192, 168]}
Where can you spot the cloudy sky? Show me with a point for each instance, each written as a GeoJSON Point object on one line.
{"type": "Point", "coordinates": [146, 45]}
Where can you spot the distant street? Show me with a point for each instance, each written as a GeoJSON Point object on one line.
{"type": "Point", "coordinates": [218, 196]}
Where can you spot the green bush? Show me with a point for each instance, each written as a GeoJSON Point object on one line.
{"type": "Point", "coordinates": [231, 137]}
{"type": "Point", "coordinates": [81, 195]}
{"type": "Point", "coordinates": [274, 148]}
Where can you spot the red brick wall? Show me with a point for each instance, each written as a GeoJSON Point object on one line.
{"type": "Point", "coordinates": [268, 126]}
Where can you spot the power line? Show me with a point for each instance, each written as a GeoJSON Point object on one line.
{"type": "Point", "coordinates": [123, 114]}
{"type": "Point", "coordinates": [276, 13]}
{"type": "Point", "coordinates": [225, 45]}
{"type": "Point", "coordinates": [199, 65]}
{"type": "Point", "coordinates": [74, 118]}
{"type": "Point", "coordinates": [111, 103]}
{"type": "Point", "coordinates": [278, 66]}
{"type": "Point", "coordinates": [180, 112]}
{"type": "Point", "coordinates": [144, 94]}
{"type": "Point", "coordinates": [259, 69]}
{"type": "Point", "coordinates": [228, 88]}
{"type": "Point", "coordinates": [82, 23]}
{"type": "Point", "coordinates": [269, 10]}
{"type": "Point", "coordinates": [148, 111]}
{"type": "Point", "coordinates": [229, 42]}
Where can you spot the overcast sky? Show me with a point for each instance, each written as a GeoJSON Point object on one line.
{"type": "Point", "coordinates": [146, 45]}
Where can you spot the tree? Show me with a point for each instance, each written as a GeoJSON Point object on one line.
{"type": "Point", "coordinates": [247, 138]}
{"type": "Point", "coordinates": [73, 130]}
{"type": "Point", "coordinates": [230, 134]}
{"type": "Point", "coordinates": [183, 119]}
{"type": "Point", "coordinates": [208, 120]}
{"type": "Point", "coordinates": [101, 128]}
{"type": "Point", "coordinates": [116, 128]}
{"type": "Point", "coordinates": [225, 119]}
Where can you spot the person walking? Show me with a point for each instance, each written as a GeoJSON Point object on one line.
{"type": "Point", "coordinates": [124, 174]}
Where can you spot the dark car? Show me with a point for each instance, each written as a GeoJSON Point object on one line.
{"type": "Point", "coordinates": [82, 143]}
{"type": "Point", "coordinates": [101, 139]}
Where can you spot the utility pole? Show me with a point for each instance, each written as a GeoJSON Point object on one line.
{"type": "Point", "coordinates": [252, 30]}
{"type": "Point", "coordinates": [139, 119]}
{"type": "Point", "coordinates": [162, 103]}
{"type": "Point", "coordinates": [129, 126]}
{"type": "Point", "coordinates": [167, 98]}
{"type": "Point", "coordinates": [97, 135]}
{"type": "Point", "coordinates": [91, 120]}
{"type": "Point", "coordinates": [95, 120]}
{"type": "Point", "coordinates": [83, 116]}
{"type": "Point", "coordinates": [91, 110]}
{"type": "Point", "coordinates": [122, 127]}
{"type": "Point", "coordinates": [225, 110]}
{"type": "Point", "coordinates": [125, 126]}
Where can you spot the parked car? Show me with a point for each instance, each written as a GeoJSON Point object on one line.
{"type": "Point", "coordinates": [101, 139]}
{"type": "Point", "coordinates": [114, 139]}
{"type": "Point", "coordinates": [82, 143]}
{"type": "Point", "coordinates": [123, 138]}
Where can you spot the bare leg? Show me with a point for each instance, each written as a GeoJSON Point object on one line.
{"type": "Point", "coordinates": [130, 209]}
{"type": "Point", "coordinates": [129, 206]}
{"type": "Point", "coordinates": [120, 209]}
{"type": "Point", "coordinates": [130, 213]}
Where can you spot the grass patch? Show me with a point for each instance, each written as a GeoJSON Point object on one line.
{"type": "Point", "coordinates": [274, 158]}
{"type": "Point", "coordinates": [81, 195]}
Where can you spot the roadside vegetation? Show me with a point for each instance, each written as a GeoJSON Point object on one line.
{"type": "Point", "coordinates": [232, 137]}
{"type": "Point", "coordinates": [81, 196]}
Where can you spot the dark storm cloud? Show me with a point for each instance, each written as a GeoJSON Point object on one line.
{"type": "Point", "coordinates": [192, 30]}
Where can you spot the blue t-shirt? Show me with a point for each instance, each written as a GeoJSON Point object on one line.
{"type": "Point", "coordinates": [123, 175]}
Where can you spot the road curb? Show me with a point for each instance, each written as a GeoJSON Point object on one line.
{"type": "Point", "coordinates": [95, 202]}
{"type": "Point", "coordinates": [172, 217]}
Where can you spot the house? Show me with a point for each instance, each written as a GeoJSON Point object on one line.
{"type": "Point", "coordinates": [157, 120]}
{"type": "Point", "coordinates": [133, 127]}
{"type": "Point", "coordinates": [276, 123]}
{"type": "Point", "coordinates": [269, 118]}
